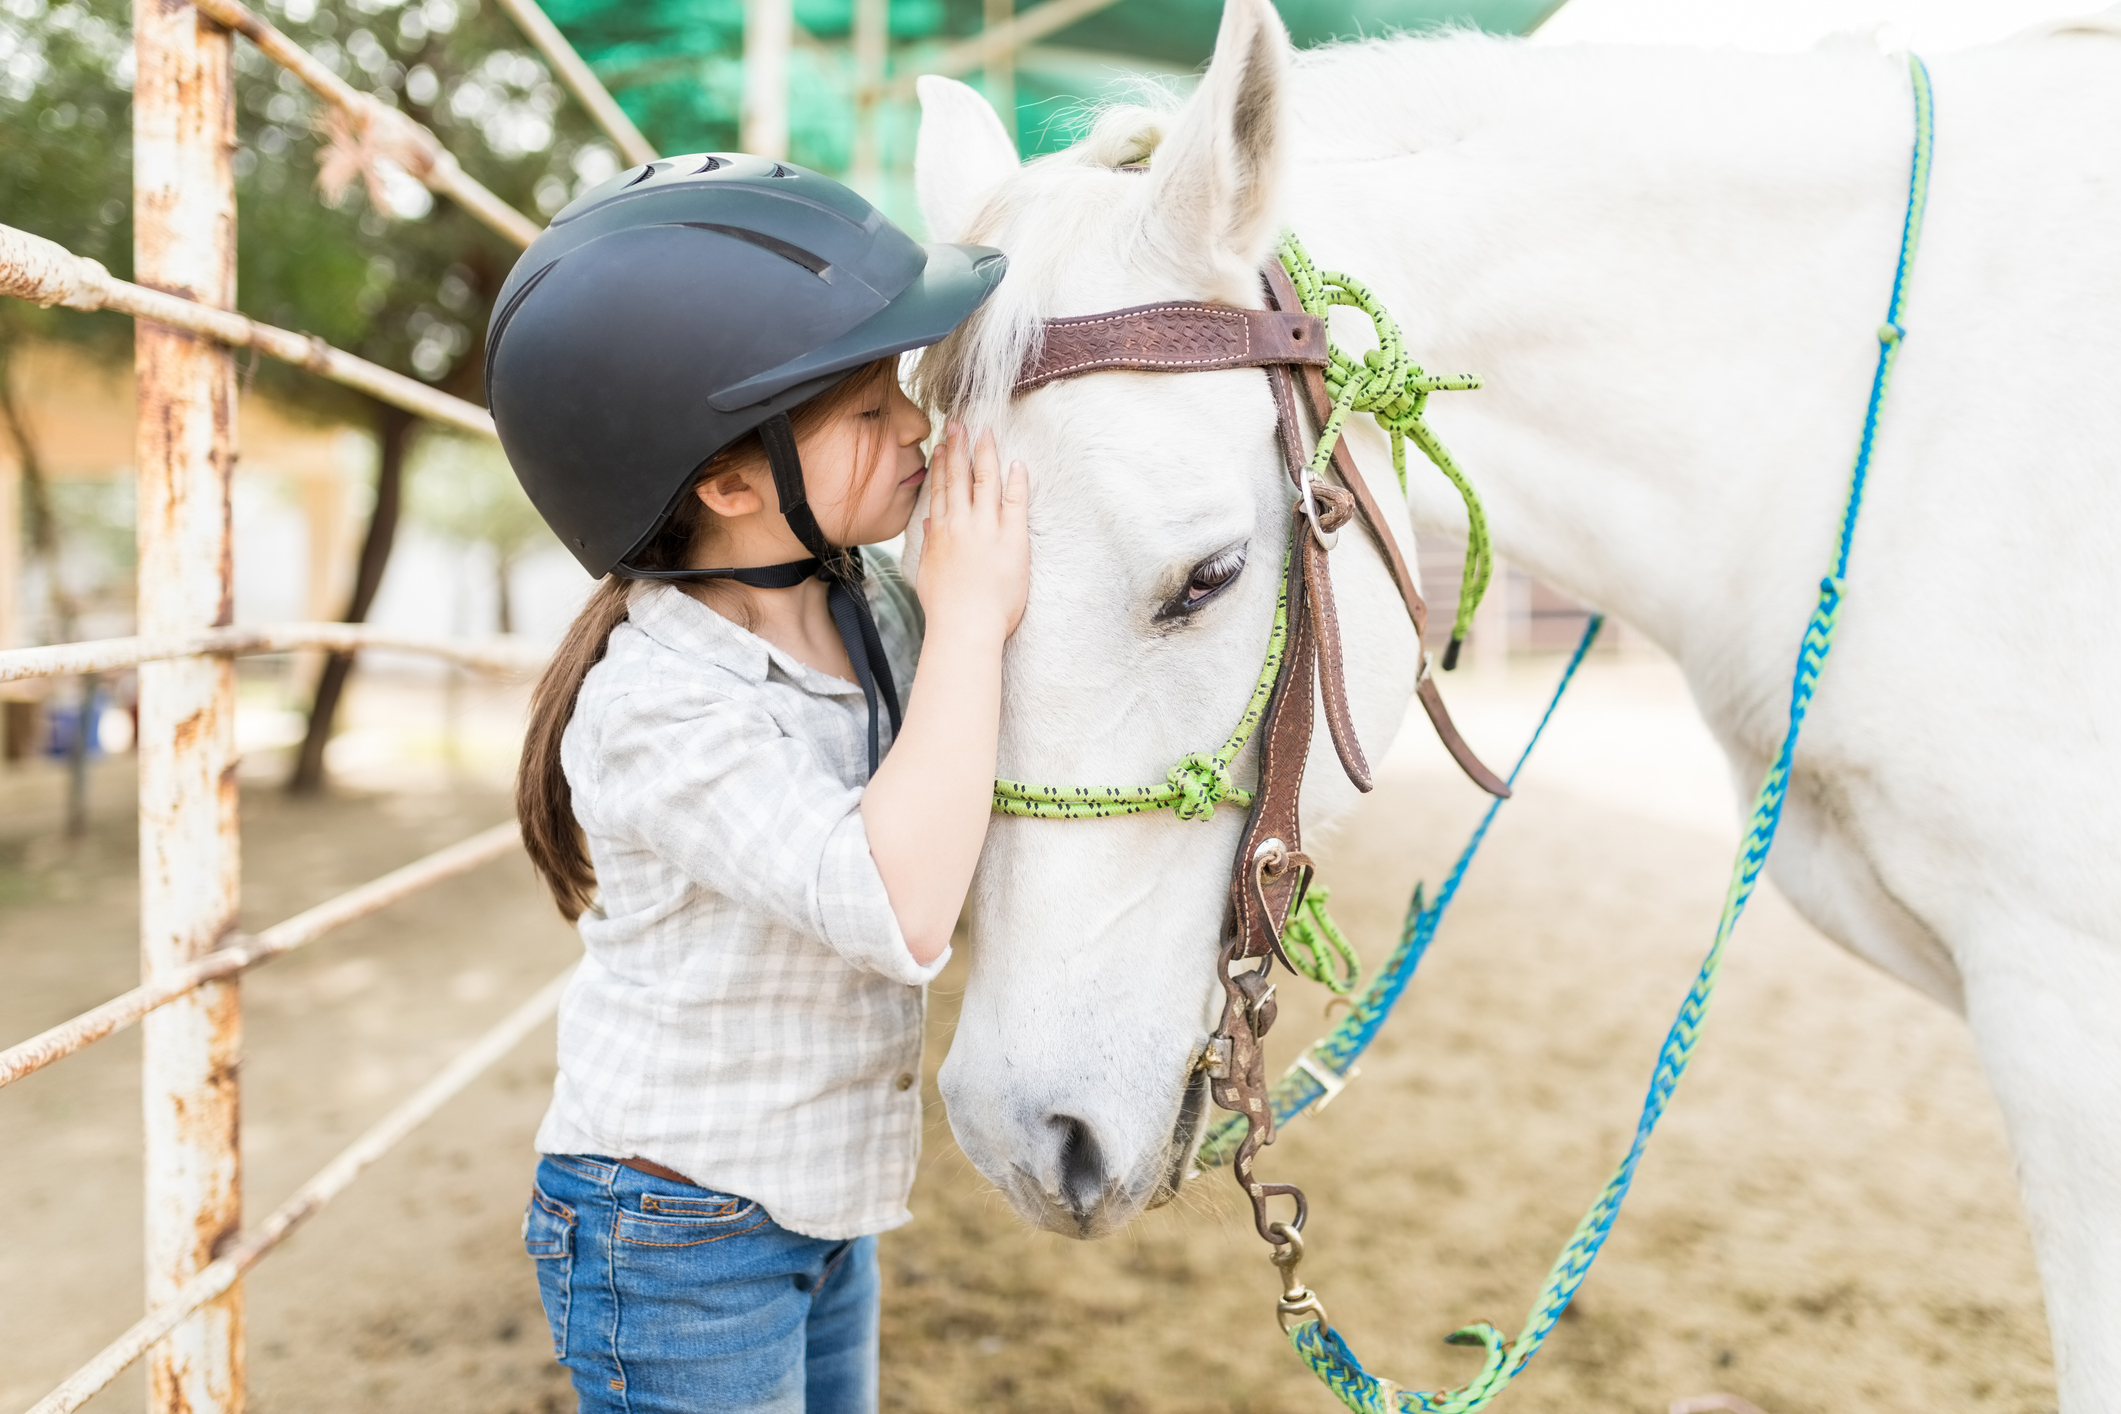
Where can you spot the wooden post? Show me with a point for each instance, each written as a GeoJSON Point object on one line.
{"type": "Point", "coordinates": [872, 40]}
{"type": "Point", "coordinates": [10, 552]}
{"type": "Point", "coordinates": [762, 121]}
{"type": "Point", "coordinates": [1001, 64]}
{"type": "Point", "coordinates": [184, 223]}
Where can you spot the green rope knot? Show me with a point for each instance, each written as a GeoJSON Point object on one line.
{"type": "Point", "coordinates": [1202, 783]}
{"type": "Point", "coordinates": [1395, 390]}
{"type": "Point", "coordinates": [1316, 947]}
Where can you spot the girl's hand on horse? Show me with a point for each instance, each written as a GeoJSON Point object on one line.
{"type": "Point", "coordinates": [975, 568]}
{"type": "Point", "coordinates": [927, 807]}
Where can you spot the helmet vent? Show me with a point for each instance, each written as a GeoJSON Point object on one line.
{"type": "Point", "coordinates": [712, 164]}
{"type": "Point", "coordinates": [646, 173]}
{"type": "Point", "coordinates": [816, 265]}
{"type": "Point", "coordinates": [780, 171]}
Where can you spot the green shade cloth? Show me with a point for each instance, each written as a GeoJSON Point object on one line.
{"type": "Point", "coordinates": [676, 66]}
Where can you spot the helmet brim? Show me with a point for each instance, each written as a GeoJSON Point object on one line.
{"type": "Point", "coordinates": [956, 280]}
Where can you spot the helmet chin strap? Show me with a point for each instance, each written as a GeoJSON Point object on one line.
{"type": "Point", "coordinates": [839, 566]}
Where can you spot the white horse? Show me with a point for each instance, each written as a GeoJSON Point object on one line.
{"type": "Point", "coordinates": [1671, 267]}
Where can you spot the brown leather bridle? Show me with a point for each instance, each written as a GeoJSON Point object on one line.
{"type": "Point", "coordinates": [1271, 870]}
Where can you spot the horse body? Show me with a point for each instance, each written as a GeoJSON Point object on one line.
{"type": "Point", "coordinates": [1670, 267]}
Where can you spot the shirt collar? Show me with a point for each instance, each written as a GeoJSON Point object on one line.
{"type": "Point", "coordinates": [681, 623]}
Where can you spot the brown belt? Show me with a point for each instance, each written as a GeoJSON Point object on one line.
{"type": "Point", "coordinates": [656, 1170]}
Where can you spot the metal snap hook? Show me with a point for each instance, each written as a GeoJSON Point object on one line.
{"type": "Point", "coordinates": [1299, 1304]}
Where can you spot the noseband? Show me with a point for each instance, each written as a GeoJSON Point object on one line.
{"type": "Point", "coordinates": [1271, 872]}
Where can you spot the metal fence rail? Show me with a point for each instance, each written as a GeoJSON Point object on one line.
{"type": "Point", "coordinates": [241, 953]}
{"type": "Point", "coordinates": [494, 655]}
{"type": "Point", "coordinates": [188, 1003]}
{"type": "Point", "coordinates": [221, 1275]}
{"type": "Point", "coordinates": [46, 273]}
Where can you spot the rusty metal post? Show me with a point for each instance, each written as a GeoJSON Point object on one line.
{"type": "Point", "coordinates": [184, 223]}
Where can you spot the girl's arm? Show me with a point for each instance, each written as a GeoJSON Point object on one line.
{"type": "Point", "coordinates": [927, 807]}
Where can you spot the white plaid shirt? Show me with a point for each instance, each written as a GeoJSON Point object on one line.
{"type": "Point", "coordinates": [748, 1014]}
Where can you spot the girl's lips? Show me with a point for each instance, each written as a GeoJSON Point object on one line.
{"type": "Point", "coordinates": [916, 479]}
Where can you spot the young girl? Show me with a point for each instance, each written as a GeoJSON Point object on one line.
{"type": "Point", "coordinates": [766, 844]}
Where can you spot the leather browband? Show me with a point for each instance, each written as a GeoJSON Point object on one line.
{"type": "Point", "coordinates": [1186, 336]}
{"type": "Point", "coordinates": [1175, 337]}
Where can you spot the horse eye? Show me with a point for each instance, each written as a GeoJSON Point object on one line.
{"type": "Point", "coordinates": [1209, 578]}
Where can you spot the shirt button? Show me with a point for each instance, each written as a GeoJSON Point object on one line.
{"type": "Point", "coordinates": [904, 1081]}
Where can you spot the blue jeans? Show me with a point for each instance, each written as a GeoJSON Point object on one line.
{"type": "Point", "coordinates": [670, 1299]}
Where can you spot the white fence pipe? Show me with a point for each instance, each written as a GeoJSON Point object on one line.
{"type": "Point", "coordinates": [762, 113]}
{"type": "Point", "coordinates": [999, 72]}
{"type": "Point", "coordinates": [184, 241]}
{"type": "Point", "coordinates": [45, 273]}
{"type": "Point", "coordinates": [581, 80]}
{"type": "Point", "coordinates": [242, 953]}
{"type": "Point", "coordinates": [994, 42]}
{"type": "Point", "coordinates": [388, 132]}
{"type": "Point", "coordinates": [493, 655]}
{"type": "Point", "coordinates": [222, 1275]}
{"type": "Point", "coordinates": [871, 44]}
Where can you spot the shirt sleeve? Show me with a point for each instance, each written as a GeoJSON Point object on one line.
{"type": "Point", "coordinates": [716, 788]}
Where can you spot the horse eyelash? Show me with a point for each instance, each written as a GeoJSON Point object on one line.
{"type": "Point", "coordinates": [1179, 605]}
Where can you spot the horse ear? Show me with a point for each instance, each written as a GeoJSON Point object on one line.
{"type": "Point", "coordinates": [963, 153]}
{"type": "Point", "coordinates": [1219, 173]}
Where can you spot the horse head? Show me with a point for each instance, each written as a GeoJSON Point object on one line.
{"type": "Point", "coordinates": [1160, 512]}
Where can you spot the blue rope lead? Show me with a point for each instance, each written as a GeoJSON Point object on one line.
{"type": "Point", "coordinates": [1321, 1347]}
{"type": "Point", "coordinates": [1331, 1059]}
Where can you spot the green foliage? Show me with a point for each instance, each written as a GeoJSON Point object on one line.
{"type": "Point", "coordinates": [66, 150]}
{"type": "Point", "coordinates": [409, 288]}
{"type": "Point", "coordinates": [463, 490]}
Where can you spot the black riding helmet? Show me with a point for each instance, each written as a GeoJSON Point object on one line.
{"type": "Point", "coordinates": [679, 306]}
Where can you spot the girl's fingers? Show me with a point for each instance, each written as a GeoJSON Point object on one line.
{"type": "Point", "coordinates": [941, 467]}
{"type": "Point", "coordinates": [986, 469]}
{"type": "Point", "coordinates": [964, 484]}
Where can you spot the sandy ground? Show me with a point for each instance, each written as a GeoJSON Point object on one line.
{"type": "Point", "coordinates": [1827, 1221]}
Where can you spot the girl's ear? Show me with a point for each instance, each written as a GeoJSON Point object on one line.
{"type": "Point", "coordinates": [962, 155]}
{"type": "Point", "coordinates": [1218, 175]}
{"type": "Point", "coordinates": [729, 494]}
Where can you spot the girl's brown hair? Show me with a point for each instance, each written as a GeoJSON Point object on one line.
{"type": "Point", "coordinates": [544, 802]}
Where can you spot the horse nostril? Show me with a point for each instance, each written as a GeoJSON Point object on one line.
{"type": "Point", "coordinates": [1082, 1166]}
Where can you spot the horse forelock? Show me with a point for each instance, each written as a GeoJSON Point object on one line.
{"type": "Point", "coordinates": [1047, 217]}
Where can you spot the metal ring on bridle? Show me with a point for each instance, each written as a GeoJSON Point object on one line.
{"type": "Point", "coordinates": [1308, 504]}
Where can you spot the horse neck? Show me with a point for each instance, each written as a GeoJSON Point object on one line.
{"type": "Point", "coordinates": [1669, 267]}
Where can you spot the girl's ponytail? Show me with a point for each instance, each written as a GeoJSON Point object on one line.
{"type": "Point", "coordinates": [544, 803]}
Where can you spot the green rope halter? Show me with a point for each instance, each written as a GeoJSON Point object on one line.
{"type": "Point", "coordinates": [1392, 388]}
{"type": "Point", "coordinates": [1316, 947]}
{"type": "Point", "coordinates": [1394, 391]}
{"type": "Point", "coordinates": [1194, 787]}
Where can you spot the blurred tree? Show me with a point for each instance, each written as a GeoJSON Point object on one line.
{"type": "Point", "coordinates": [463, 490]}
{"type": "Point", "coordinates": [409, 287]}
